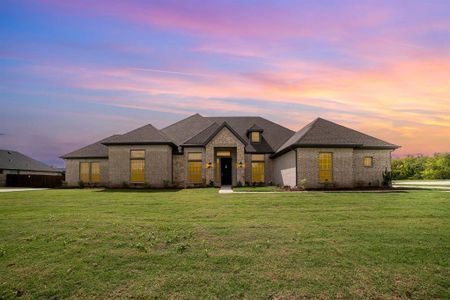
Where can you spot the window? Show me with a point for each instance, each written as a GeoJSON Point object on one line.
{"type": "Point", "coordinates": [90, 172]}
{"type": "Point", "coordinates": [368, 161]}
{"type": "Point", "coordinates": [195, 167]}
{"type": "Point", "coordinates": [95, 172]}
{"type": "Point", "coordinates": [255, 136]}
{"type": "Point", "coordinates": [325, 166]}
{"type": "Point", "coordinates": [257, 167]}
{"type": "Point", "coordinates": [223, 154]}
{"type": "Point", "coordinates": [84, 171]}
{"type": "Point", "coordinates": [137, 166]}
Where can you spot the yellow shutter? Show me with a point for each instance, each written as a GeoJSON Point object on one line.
{"type": "Point", "coordinates": [195, 171]}
{"type": "Point", "coordinates": [258, 172]}
{"type": "Point", "coordinates": [137, 170]}
{"type": "Point", "coordinates": [95, 172]}
{"type": "Point", "coordinates": [255, 136]}
{"type": "Point", "coordinates": [325, 167]}
{"type": "Point", "coordinates": [84, 172]}
{"type": "Point", "coordinates": [368, 161]}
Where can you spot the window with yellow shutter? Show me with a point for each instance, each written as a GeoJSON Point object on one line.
{"type": "Point", "coordinates": [325, 166]}
{"type": "Point", "coordinates": [258, 168]}
{"type": "Point", "coordinates": [195, 167]}
{"type": "Point", "coordinates": [368, 161]}
{"type": "Point", "coordinates": [95, 172]}
{"type": "Point", "coordinates": [84, 172]}
{"type": "Point", "coordinates": [137, 166]}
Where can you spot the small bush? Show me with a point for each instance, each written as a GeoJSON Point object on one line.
{"type": "Point", "coordinates": [166, 183]}
{"type": "Point", "coordinates": [303, 184]}
{"type": "Point", "coordinates": [81, 184]}
{"type": "Point", "coordinates": [239, 184]}
{"type": "Point", "coordinates": [125, 185]}
{"type": "Point", "coordinates": [387, 178]}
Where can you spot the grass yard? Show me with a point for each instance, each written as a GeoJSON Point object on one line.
{"type": "Point", "coordinates": [199, 244]}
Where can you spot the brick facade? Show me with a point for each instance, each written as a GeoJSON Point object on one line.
{"type": "Point", "coordinates": [73, 171]}
{"type": "Point", "coordinates": [347, 167]}
{"type": "Point", "coordinates": [158, 164]}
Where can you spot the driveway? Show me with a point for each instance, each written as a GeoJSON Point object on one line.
{"type": "Point", "coordinates": [8, 190]}
{"type": "Point", "coordinates": [425, 184]}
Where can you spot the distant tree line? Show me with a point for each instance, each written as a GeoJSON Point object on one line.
{"type": "Point", "coordinates": [422, 167]}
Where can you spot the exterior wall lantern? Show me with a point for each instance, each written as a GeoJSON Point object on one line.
{"type": "Point", "coordinates": [240, 165]}
{"type": "Point", "coordinates": [209, 165]}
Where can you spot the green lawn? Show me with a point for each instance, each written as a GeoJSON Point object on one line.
{"type": "Point", "coordinates": [198, 244]}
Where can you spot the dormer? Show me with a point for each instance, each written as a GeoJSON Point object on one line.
{"type": "Point", "coordinates": [254, 133]}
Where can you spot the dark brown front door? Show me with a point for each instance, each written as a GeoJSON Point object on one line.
{"type": "Point", "coordinates": [225, 170]}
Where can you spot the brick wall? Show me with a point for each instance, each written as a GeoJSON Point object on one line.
{"type": "Point", "coordinates": [370, 176]}
{"type": "Point", "coordinates": [158, 164]}
{"type": "Point", "coordinates": [348, 167]}
{"type": "Point", "coordinates": [308, 162]}
{"type": "Point", "coordinates": [73, 171]}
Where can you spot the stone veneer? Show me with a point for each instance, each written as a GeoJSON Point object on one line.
{"type": "Point", "coordinates": [226, 139]}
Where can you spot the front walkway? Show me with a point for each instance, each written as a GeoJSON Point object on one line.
{"type": "Point", "coordinates": [226, 189]}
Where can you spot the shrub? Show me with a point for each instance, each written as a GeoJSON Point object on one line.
{"type": "Point", "coordinates": [81, 184]}
{"type": "Point", "coordinates": [166, 183]}
{"type": "Point", "coordinates": [303, 184]}
{"type": "Point", "coordinates": [239, 184]}
{"type": "Point", "coordinates": [387, 178]}
{"type": "Point", "coordinates": [125, 185]}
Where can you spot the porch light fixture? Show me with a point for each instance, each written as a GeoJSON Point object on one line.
{"type": "Point", "coordinates": [240, 165]}
{"type": "Point", "coordinates": [209, 165]}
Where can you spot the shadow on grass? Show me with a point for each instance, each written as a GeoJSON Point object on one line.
{"type": "Point", "coordinates": [106, 190]}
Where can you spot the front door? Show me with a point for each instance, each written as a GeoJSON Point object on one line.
{"type": "Point", "coordinates": [225, 170]}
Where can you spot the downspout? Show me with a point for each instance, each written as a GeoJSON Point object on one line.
{"type": "Point", "coordinates": [296, 167]}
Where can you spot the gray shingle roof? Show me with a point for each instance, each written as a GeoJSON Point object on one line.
{"type": "Point", "coordinates": [322, 132]}
{"type": "Point", "coordinates": [187, 128]}
{"type": "Point", "coordinates": [95, 150]}
{"type": "Point", "coordinates": [147, 134]}
{"type": "Point", "coordinates": [255, 128]}
{"type": "Point", "coordinates": [195, 129]}
{"type": "Point", "coordinates": [13, 160]}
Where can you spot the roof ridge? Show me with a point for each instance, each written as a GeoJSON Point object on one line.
{"type": "Point", "coordinates": [187, 118]}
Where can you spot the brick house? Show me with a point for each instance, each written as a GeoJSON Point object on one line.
{"type": "Point", "coordinates": [200, 150]}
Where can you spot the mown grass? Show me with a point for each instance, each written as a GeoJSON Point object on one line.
{"type": "Point", "coordinates": [199, 244]}
{"type": "Point", "coordinates": [257, 189]}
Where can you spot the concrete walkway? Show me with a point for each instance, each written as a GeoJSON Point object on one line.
{"type": "Point", "coordinates": [225, 189]}
{"type": "Point", "coordinates": [9, 190]}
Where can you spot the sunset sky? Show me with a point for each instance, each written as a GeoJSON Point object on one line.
{"type": "Point", "coordinates": [73, 72]}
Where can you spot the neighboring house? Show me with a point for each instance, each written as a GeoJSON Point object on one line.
{"type": "Point", "coordinates": [17, 169]}
{"type": "Point", "coordinates": [199, 150]}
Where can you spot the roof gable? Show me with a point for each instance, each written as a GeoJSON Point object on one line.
{"type": "Point", "coordinates": [204, 137]}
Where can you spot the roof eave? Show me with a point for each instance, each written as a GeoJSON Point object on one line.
{"type": "Point", "coordinates": [139, 143]}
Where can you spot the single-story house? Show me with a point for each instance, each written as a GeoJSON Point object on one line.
{"type": "Point", "coordinates": [17, 169]}
{"type": "Point", "coordinates": [199, 151]}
